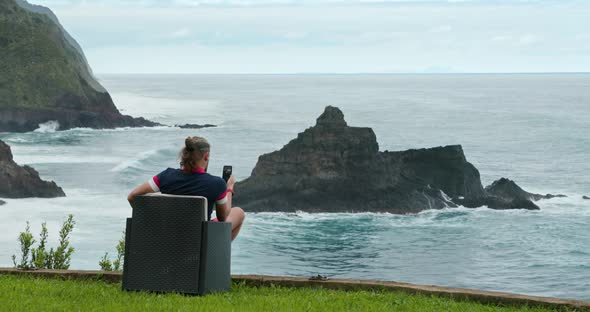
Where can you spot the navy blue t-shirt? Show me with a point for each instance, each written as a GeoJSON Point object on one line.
{"type": "Point", "coordinates": [196, 183]}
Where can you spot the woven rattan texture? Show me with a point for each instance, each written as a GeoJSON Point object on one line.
{"type": "Point", "coordinates": [165, 244]}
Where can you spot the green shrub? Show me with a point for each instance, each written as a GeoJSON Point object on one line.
{"type": "Point", "coordinates": [104, 263]}
{"type": "Point", "coordinates": [40, 258]}
{"type": "Point", "coordinates": [25, 240]}
{"type": "Point", "coordinates": [116, 265]}
{"type": "Point", "coordinates": [60, 258]}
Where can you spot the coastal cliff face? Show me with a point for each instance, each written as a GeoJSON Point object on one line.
{"type": "Point", "coordinates": [45, 76]}
{"type": "Point", "coordinates": [332, 167]}
{"type": "Point", "coordinates": [20, 182]}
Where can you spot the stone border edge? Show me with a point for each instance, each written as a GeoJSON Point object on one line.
{"type": "Point", "coordinates": [480, 296]}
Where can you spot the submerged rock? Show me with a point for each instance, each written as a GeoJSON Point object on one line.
{"type": "Point", "coordinates": [195, 126]}
{"type": "Point", "coordinates": [45, 76]}
{"type": "Point", "coordinates": [585, 197]}
{"type": "Point", "coordinates": [332, 167]}
{"type": "Point", "coordinates": [496, 202]}
{"type": "Point", "coordinates": [20, 182]}
{"type": "Point", "coordinates": [2, 202]}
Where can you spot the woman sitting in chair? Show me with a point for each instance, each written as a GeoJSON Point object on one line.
{"type": "Point", "coordinates": [192, 179]}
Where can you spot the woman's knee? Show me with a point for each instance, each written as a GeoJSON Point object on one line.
{"type": "Point", "coordinates": [239, 213]}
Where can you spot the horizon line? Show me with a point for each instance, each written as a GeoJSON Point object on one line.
{"type": "Point", "coordinates": [364, 73]}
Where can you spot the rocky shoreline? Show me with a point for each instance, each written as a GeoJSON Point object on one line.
{"type": "Point", "coordinates": [25, 120]}
{"type": "Point", "coordinates": [332, 167]}
{"type": "Point", "coordinates": [22, 182]}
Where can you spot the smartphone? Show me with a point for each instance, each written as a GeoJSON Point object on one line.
{"type": "Point", "coordinates": [226, 173]}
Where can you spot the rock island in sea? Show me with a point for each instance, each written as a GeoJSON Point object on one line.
{"type": "Point", "coordinates": [20, 182]}
{"type": "Point", "coordinates": [333, 167]}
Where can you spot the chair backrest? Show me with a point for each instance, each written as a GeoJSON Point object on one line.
{"type": "Point", "coordinates": [166, 236]}
{"type": "Point", "coordinates": [199, 201]}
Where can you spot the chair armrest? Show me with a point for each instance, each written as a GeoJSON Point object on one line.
{"type": "Point", "coordinates": [215, 257]}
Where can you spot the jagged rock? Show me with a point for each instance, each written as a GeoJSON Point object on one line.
{"type": "Point", "coordinates": [45, 76]}
{"type": "Point", "coordinates": [195, 126]}
{"type": "Point", "coordinates": [508, 189]}
{"type": "Point", "coordinates": [332, 167]}
{"type": "Point", "coordinates": [20, 182]}
{"type": "Point", "coordinates": [585, 197]}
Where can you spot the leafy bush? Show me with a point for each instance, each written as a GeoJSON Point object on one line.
{"type": "Point", "coordinates": [40, 258]}
{"type": "Point", "coordinates": [104, 263]}
{"type": "Point", "coordinates": [116, 265]}
{"type": "Point", "coordinates": [63, 253]}
{"type": "Point", "coordinates": [26, 240]}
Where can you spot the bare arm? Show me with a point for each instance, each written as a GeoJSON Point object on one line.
{"type": "Point", "coordinates": [224, 209]}
{"type": "Point", "coordinates": [140, 190]}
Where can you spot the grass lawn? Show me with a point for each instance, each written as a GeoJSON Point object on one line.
{"type": "Point", "coordinates": [19, 293]}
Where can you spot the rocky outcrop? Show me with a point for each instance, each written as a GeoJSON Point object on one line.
{"type": "Point", "coordinates": [506, 188]}
{"type": "Point", "coordinates": [45, 76]}
{"type": "Point", "coordinates": [20, 182]}
{"type": "Point", "coordinates": [332, 167]}
{"type": "Point", "coordinates": [585, 197]}
{"type": "Point", "coordinates": [195, 126]}
{"type": "Point", "coordinates": [2, 202]}
{"type": "Point", "coordinates": [24, 120]}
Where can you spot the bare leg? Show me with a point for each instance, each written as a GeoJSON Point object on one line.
{"type": "Point", "coordinates": [236, 217]}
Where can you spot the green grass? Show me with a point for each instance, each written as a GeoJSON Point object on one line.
{"type": "Point", "coordinates": [22, 293]}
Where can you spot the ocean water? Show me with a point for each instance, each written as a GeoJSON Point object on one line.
{"type": "Point", "coordinates": [533, 129]}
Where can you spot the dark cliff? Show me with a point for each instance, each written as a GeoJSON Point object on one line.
{"type": "Point", "coordinates": [332, 167]}
{"type": "Point", "coordinates": [44, 75]}
{"type": "Point", "coordinates": [20, 182]}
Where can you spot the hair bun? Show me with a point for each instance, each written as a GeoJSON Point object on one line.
{"type": "Point", "coordinates": [187, 144]}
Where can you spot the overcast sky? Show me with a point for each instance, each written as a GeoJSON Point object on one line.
{"type": "Point", "coordinates": [329, 36]}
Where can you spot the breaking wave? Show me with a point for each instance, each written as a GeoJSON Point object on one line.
{"type": "Point", "coordinates": [48, 127]}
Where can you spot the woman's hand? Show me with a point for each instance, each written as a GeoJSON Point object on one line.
{"type": "Point", "coordinates": [230, 182]}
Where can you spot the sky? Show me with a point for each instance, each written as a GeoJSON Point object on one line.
{"type": "Point", "coordinates": [329, 36]}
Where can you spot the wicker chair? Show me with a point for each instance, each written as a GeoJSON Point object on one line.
{"type": "Point", "coordinates": [170, 246]}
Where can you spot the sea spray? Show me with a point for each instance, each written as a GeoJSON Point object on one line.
{"type": "Point", "coordinates": [47, 127]}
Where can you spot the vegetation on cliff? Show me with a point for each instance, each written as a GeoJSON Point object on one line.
{"type": "Point", "coordinates": [43, 76]}
{"type": "Point", "coordinates": [40, 69]}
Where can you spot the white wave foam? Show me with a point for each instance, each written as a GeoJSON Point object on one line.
{"type": "Point", "coordinates": [137, 162]}
{"type": "Point", "coordinates": [64, 159]}
{"type": "Point", "coordinates": [17, 140]}
{"type": "Point", "coordinates": [48, 127]}
{"type": "Point", "coordinates": [121, 129]}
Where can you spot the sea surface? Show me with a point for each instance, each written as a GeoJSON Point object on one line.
{"type": "Point", "coordinates": [534, 129]}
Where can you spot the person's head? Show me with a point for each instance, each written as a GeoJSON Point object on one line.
{"type": "Point", "coordinates": [194, 154]}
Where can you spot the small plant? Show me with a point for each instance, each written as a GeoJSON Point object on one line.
{"type": "Point", "coordinates": [60, 258]}
{"type": "Point", "coordinates": [40, 258]}
{"type": "Point", "coordinates": [116, 265]}
{"type": "Point", "coordinates": [105, 263]}
{"type": "Point", "coordinates": [25, 240]}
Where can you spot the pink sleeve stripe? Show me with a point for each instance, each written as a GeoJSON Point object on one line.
{"type": "Point", "coordinates": [222, 196]}
{"type": "Point", "coordinates": [157, 181]}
